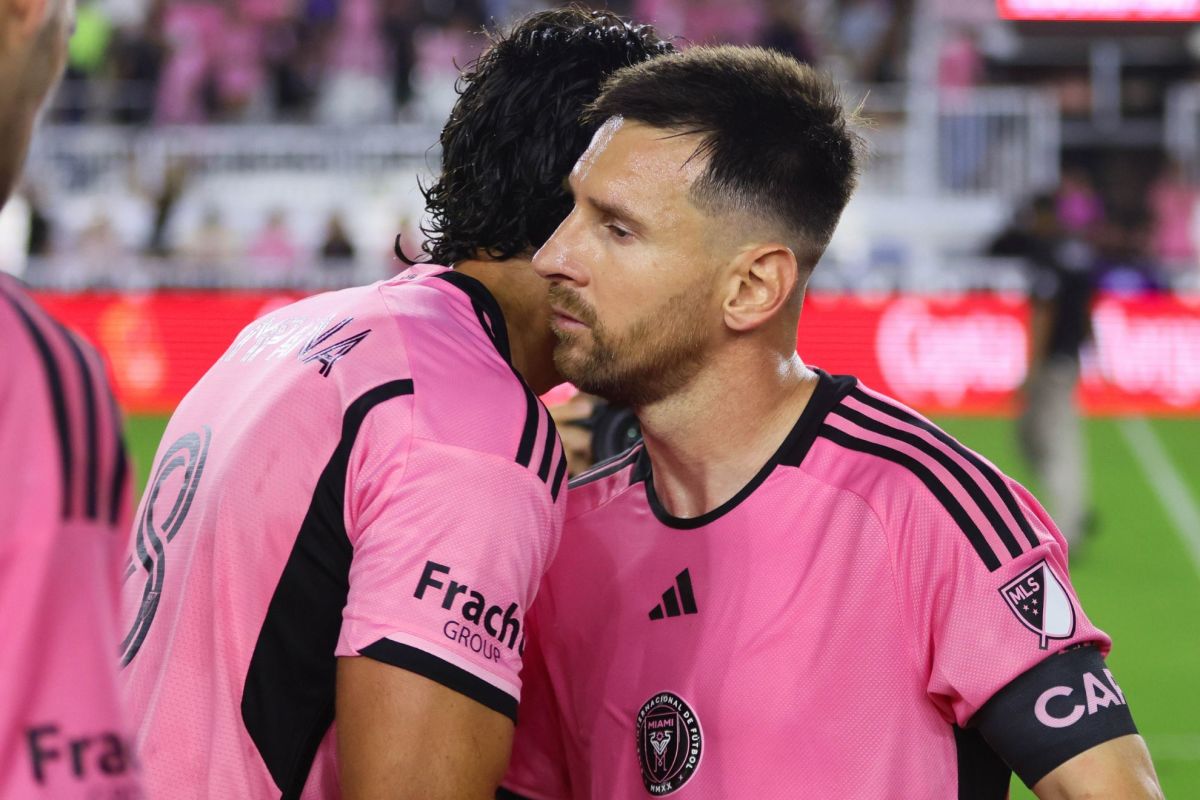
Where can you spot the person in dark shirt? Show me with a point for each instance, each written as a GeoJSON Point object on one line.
{"type": "Point", "coordinates": [1061, 289]}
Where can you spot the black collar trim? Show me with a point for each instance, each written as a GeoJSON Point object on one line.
{"type": "Point", "coordinates": [829, 393]}
{"type": "Point", "coordinates": [487, 309]}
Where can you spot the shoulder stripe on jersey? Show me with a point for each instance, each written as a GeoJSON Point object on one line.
{"type": "Point", "coordinates": [607, 467]}
{"type": "Point", "coordinates": [956, 511]}
{"type": "Point", "coordinates": [120, 473]}
{"type": "Point", "coordinates": [91, 464]}
{"type": "Point", "coordinates": [111, 483]}
{"type": "Point", "coordinates": [288, 696]}
{"type": "Point", "coordinates": [58, 400]}
{"type": "Point", "coordinates": [529, 434]}
{"type": "Point", "coordinates": [548, 447]}
{"type": "Point", "coordinates": [435, 669]}
{"type": "Point", "coordinates": [972, 487]}
{"type": "Point", "coordinates": [989, 472]}
{"type": "Point", "coordinates": [559, 474]}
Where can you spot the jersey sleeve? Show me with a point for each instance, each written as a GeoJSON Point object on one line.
{"type": "Point", "coordinates": [537, 770]}
{"type": "Point", "coordinates": [1005, 633]}
{"type": "Point", "coordinates": [449, 545]}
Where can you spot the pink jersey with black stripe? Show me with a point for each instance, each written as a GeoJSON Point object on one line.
{"type": "Point", "coordinates": [829, 632]}
{"type": "Point", "coordinates": [362, 473]}
{"type": "Point", "coordinates": [64, 513]}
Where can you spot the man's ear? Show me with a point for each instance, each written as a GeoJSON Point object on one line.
{"type": "Point", "coordinates": [762, 280]}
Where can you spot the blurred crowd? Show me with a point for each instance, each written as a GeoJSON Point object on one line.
{"type": "Point", "coordinates": [194, 61]}
{"type": "Point", "coordinates": [1128, 234]}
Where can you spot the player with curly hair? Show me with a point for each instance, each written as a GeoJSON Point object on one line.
{"type": "Point", "coordinates": [351, 512]}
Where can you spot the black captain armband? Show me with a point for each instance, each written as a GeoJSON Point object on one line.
{"type": "Point", "coordinates": [1065, 705]}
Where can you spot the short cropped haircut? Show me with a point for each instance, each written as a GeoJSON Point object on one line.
{"type": "Point", "coordinates": [778, 142]}
{"type": "Point", "coordinates": [517, 129]}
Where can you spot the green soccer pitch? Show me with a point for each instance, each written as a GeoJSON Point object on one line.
{"type": "Point", "coordinates": [1138, 576]}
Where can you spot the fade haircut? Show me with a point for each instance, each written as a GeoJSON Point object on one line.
{"type": "Point", "coordinates": [516, 131]}
{"type": "Point", "coordinates": [779, 145]}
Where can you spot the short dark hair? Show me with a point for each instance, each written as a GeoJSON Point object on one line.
{"type": "Point", "coordinates": [516, 131]}
{"type": "Point", "coordinates": [779, 143]}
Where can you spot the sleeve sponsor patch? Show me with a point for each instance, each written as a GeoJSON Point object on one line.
{"type": "Point", "coordinates": [1065, 705]}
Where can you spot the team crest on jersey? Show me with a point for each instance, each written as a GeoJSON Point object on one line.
{"type": "Point", "coordinates": [1041, 603]}
{"type": "Point", "coordinates": [669, 743]}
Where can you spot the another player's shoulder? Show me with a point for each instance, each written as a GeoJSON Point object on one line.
{"type": "Point", "coordinates": [467, 392]}
{"type": "Point", "coordinates": [910, 472]}
{"type": "Point", "coordinates": [604, 482]}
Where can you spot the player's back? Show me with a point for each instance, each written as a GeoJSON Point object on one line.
{"type": "Point", "coordinates": [310, 426]}
{"type": "Point", "coordinates": [64, 511]}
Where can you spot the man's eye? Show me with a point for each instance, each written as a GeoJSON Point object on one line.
{"type": "Point", "coordinates": [617, 231]}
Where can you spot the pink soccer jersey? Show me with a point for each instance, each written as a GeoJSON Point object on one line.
{"type": "Point", "coordinates": [64, 513]}
{"type": "Point", "coordinates": [832, 631]}
{"type": "Point", "coordinates": [361, 473]}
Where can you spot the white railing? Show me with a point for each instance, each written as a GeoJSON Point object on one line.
{"type": "Point", "coordinates": [988, 141]}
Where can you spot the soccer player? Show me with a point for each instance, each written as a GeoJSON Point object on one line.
{"type": "Point", "coordinates": [796, 587]}
{"type": "Point", "coordinates": [350, 513]}
{"type": "Point", "coordinates": [64, 501]}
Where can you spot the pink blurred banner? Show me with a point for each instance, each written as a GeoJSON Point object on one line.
{"type": "Point", "coordinates": [961, 354]}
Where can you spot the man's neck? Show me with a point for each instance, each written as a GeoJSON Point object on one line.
{"type": "Point", "coordinates": [708, 441]}
{"type": "Point", "coordinates": [522, 296]}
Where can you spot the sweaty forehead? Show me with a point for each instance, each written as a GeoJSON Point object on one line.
{"type": "Point", "coordinates": [640, 155]}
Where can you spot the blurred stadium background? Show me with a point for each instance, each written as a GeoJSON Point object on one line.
{"type": "Point", "coordinates": [208, 160]}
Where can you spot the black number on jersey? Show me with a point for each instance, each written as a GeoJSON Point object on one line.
{"type": "Point", "coordinates": [161, 518]}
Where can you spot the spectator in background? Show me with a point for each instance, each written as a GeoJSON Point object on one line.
{"type": "Point", "coordinates": [1173, 204]}
{"type": "Point", "coordinates": [86, 57]}
{"type": "Point", "coordinates": [212, 244]}
{"type": "Point", "coordinates": [273, 253]}
{"type": "Point", "coordinates": [1062, 283]}
{"type": "Point", "coordinates": [784, 31]}
{"type": "Point", "coordinates": [238, 76]}
{"type": "Point", "coordinates": [400, 18]}
{"type": "Point", "coordinates": [189, 27]}
{"type": "Point", "coordinates": [41, 229]}
{"type": "Point", "coordinates": [166, 198]}
{"type": "Point", "coordinates": [337, 245]}
{"type": "Point", "coordinates": [138, 57]}
{"type": "Point", "coordinates": [869, 34]}
{"type": "Point", "coordinates": [1079, 206]}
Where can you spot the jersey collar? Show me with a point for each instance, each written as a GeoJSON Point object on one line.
{"type": "Point", "coordinates": [828, 394]}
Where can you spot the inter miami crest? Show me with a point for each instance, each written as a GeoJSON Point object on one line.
{"type": "Point", "coordinates": [1039, 600]}
{"type": "Point", "coordinates": [668, 743]}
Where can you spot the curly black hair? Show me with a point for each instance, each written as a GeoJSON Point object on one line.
{"type": "Point", "coordinates": [516, 131]}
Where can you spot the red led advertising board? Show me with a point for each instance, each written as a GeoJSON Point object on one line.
{"type": "Point", "coordinates": [1101, 10]}
{"type": "Point", "coordinates": [962, 354]}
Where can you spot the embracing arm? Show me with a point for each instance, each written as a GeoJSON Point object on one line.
{"type": "Point", "coordinates": [400, 735]}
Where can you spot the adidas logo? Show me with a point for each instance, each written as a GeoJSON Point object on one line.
{"type": "Point", "coordinates": [679, 595]}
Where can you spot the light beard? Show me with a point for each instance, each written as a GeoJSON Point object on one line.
{"type": "Point", "coordinates": [658, 356]}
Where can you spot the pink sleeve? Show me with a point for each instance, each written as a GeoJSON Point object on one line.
{"type": "Point", "coordinates": [449, 546]}
{"type": "Point", "coordinates": [537, 770]}
{"type": "Point", "coordinates": [978, 629]}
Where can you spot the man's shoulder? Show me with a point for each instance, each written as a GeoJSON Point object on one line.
{"type": "Point", "coordinates": [918, 479]}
